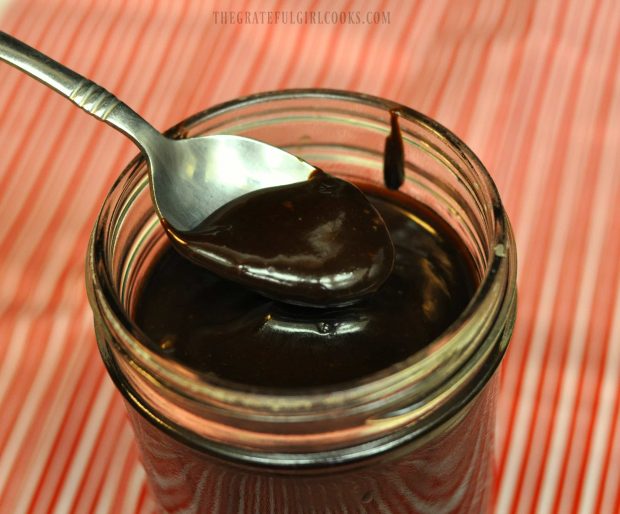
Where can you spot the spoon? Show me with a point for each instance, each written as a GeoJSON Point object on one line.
{"type": "Point", "coordinates": [190, 179]}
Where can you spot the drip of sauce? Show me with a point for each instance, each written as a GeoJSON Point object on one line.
{"type": "Point", "coordinates": [318, 243]}
{"type": "Point", "coordinates": [394, 155]}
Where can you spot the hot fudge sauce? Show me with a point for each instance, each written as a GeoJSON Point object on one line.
{"type": "Point", "coordinates": [213, 325]}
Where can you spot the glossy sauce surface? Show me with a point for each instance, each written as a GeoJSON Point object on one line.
{"type": "Point", "coordinates": [216, 326]}
{"type": "Point", "coordinates": [317, 243]}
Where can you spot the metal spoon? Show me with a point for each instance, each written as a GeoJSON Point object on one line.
{"type": "Point", "coordinates": [190, 178]}
{"type": "Point", "coordinates": [342, 253]}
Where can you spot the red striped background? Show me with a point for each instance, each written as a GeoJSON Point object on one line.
{"type": "Point", "coordinates": [532, 85]}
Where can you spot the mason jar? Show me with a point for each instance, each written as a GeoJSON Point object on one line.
{"type": "Point", "coordinates": [416, 437]}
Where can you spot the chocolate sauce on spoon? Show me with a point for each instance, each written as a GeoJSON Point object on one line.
{"type": "Point", "coordinates": [317, 243]}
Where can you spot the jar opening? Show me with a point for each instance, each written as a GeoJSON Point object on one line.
{"type": "Point", "coordinates": [441, 172]}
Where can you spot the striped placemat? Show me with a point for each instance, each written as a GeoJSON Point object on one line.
{"type": "Point", "coordinates": [533, 86]}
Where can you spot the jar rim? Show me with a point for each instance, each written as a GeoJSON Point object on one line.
{"type": "Point", "coordinates": [370, 389]}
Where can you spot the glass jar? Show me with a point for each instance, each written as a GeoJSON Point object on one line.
{"type": "Point", "coordinates": [415, 437]}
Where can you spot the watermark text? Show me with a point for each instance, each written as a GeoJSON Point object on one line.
{"type": "Point", "coordinates": [301, 17]}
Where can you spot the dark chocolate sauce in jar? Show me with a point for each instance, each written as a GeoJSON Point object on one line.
{"type": "Point", "coordinates": [318, 242]}
{"type": "Point", "coordinates": [213, 325]}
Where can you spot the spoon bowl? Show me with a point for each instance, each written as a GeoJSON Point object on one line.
{"type": "Point", "coordinates": [192, 178]}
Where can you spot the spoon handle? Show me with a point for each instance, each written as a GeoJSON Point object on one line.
{"type": "Point", "coordinates": [84, 93]}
